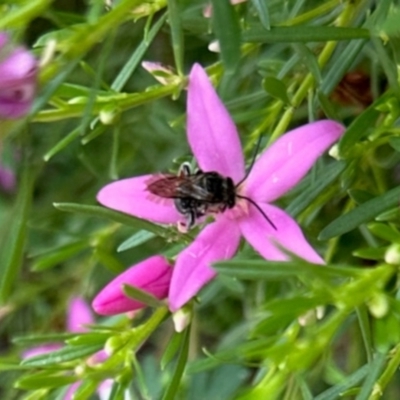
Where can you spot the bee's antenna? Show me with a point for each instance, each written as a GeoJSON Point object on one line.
{"type": "Point", "coordinates": [253, 160]}
{"type": "Point", "coordinates": [259, 209]}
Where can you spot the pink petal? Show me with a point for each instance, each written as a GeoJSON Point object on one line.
{"type": "Point", "coordinates": [104, 389]}
{"type": "Point", "coordinates": [132, 197]}
{"type": "Point", "coordinates": [261, 235]}
{"type": "Point", "coordinates": [212, 135]}
{"type": "Point", "coordinates": [79, 315]}
{"type": "Point", "coordinates": [69, 395]}
{"type": "Point", "coordinates": [7, 178]}
{"type": "Point", "coordinates": [3, 39]}
{"type": "Point", "coordinates": [152, 275]}
{"type": "Point", "coordinates": [288, 160]}
{"type": "Point", "coordinates": [217, 241]}
{"type": "Point", "coordinates": [18, 65]}
{"type": "Point", "coordinates": [17, 83]}
{"type": "Point", "coordinates": [39, 350]}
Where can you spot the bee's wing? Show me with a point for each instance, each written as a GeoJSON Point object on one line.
{"type": "Point", "coordinates": [165, 186]}
{"type": "Point", "coordinates": [192, 187]}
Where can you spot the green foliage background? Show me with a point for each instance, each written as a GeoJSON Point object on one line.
{"type": "Point", "coordinates": [262, 330]}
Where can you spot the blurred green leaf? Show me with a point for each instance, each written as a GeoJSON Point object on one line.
{"type": "Point", "coordinates": [130, 66]}
{"type": "Point", "coordinates": [374, 369]}
{"type": "Point", "coordinates": [360, 196]}
{"type": "Point", "coordinates": [276, 88]}
{"type": "Point", "coordinates": [310, 60]}
{"type": "Point", "coordinates": [336, 391]}
{"type": "Point", "coordinates": [58, 255]}
{"type": "Point", "coordinates": [281, 34]}
{"type": "Point", "coordinates": [227, 31]}
{"type": "Point", "coordinates": [371, 253]}
{"type": "Point", "coordinates": [67, 353]}
{"type": "Point", "coordinates": [174, 19]}
{"type": "Point", "coordinates": [19, 17]}
{"type": "Point", "coordinates": [263, 13]}
{"type": "Point", "coordinates": [101, 212]}
{"type": "Point", "coordinates": [172, 348]}
{"type": "Point", "coordinates": [315, 187]}
{"type": "Point", "coordinates": [12, 250]}
{"type": "Point", "coordinates": [385, 231]}
{"type": "Point", "coordinates": [258, 269]}
{"type": "Point", "coordinates": [45, 379]}
{"type": "Point", "coordinates": [172, 388]}
{"type": "Point", "coordinates": [361, 125]}
{"type": "Point", "coordinates": [86, 389]}
{"type": "Point", "coordinates": [361, 214]}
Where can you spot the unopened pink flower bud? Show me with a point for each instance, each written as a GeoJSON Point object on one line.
{"type": "Point", "coordinates": [152, 275]}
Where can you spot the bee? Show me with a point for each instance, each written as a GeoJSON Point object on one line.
{"type": "Point", "coordinates": [199, 193]}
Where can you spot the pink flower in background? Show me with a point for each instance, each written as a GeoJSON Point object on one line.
{"type": "Point", "coordinates": [152, 275]}
{"type": "Point", "coordinates": [215, 143]}
{"type": "Point", "coordinates": [18, 75]}
{"type": "Point", "coordinates": [7, 178]}
{"type": "Point", "coordinates": [78, 315]}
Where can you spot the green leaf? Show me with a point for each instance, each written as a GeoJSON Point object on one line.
{"type": "Point", "coordinates": [64, 142]}
{"type": "Point", "coordinates": [101, 212]}
{"type": "Point", "coordinates": [172, 348]}
{"type": "Point", "coordinates": [327, 106]}
{"type": "Point", "coordinates": [276, 88]}
{"type": "Point", "coordinates": [390, 215]}
{"type": "Point", "coordinates": [388, 65]}
{"type": "Point", "coordinates": [135, 240]}
{"type": "Point", "coordinates": [360, 196]}
{"type": "Point", "coordinates": [394, 141]}
{"type": "Point", "coordinates": [291, 34]}
{"type": "Point", "coordinates": [137, 55]}
{"type": "Point", "coordinates": [141, 296]}
{"type": "Point", "coordinates": [361, 214]}
{"type": "Point", "coordinates": [88, 339]}
{"type": "Point", "coordinates": [67, 353]}
{"type": "Point", "coordinates": [310, 60]}
{"type": "Point", "coordinates": [58, 255]}
{"type": "Point", "coordinates": [385, 232]}
{"type": "Point", "coordinates": [12, 249]}
{"type": "Point", "coordinates": [45, 379]}
{"type": "Point", "coordinates": [315, 188]}
{"type": "Point", "coordinates": [40, 339]}
{"type": "Point", "coordinates": [173, 386]}
{"type": "Point", "coordinates": [371, 253]}
{"type": "Point", "coordinates": [262, 9]}
{"type": "Point", "coordinates": [371, 379]}
{"type": "Point", "coordinates": [86, 389]}
{"type": "Point", "coordinates": [227, 30]}
{"type": "Point", "coordinates": [19, 17]}
{"type": "Point", "coordinates": [336, 391]}
{"type": "Point", "coordinates": [340, 65]}
{"type": "Point", "coordinates": [362, 125]}
{"type": "Point", "coordinates": [276, 270]}
{"type": "Point", "coordinates": [174, 18]}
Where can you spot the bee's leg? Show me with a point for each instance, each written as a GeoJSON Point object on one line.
{"type": "Point", "coordinates": [185, 169]}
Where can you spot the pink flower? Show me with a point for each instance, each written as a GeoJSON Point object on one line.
{"type": "Point", "coordinates": [7, 178]}
{"type": "Point", "coordinates": [78, 315]}
{"type": "Point", "coordinates": [18, 70]}
{"type": "Point", "coordinates": [216, 145]}
{"type": "Point", "coordinates": [152, 275]}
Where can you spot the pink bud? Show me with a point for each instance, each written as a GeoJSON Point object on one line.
{"type": "Point", "coordinates": [152, 275]}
